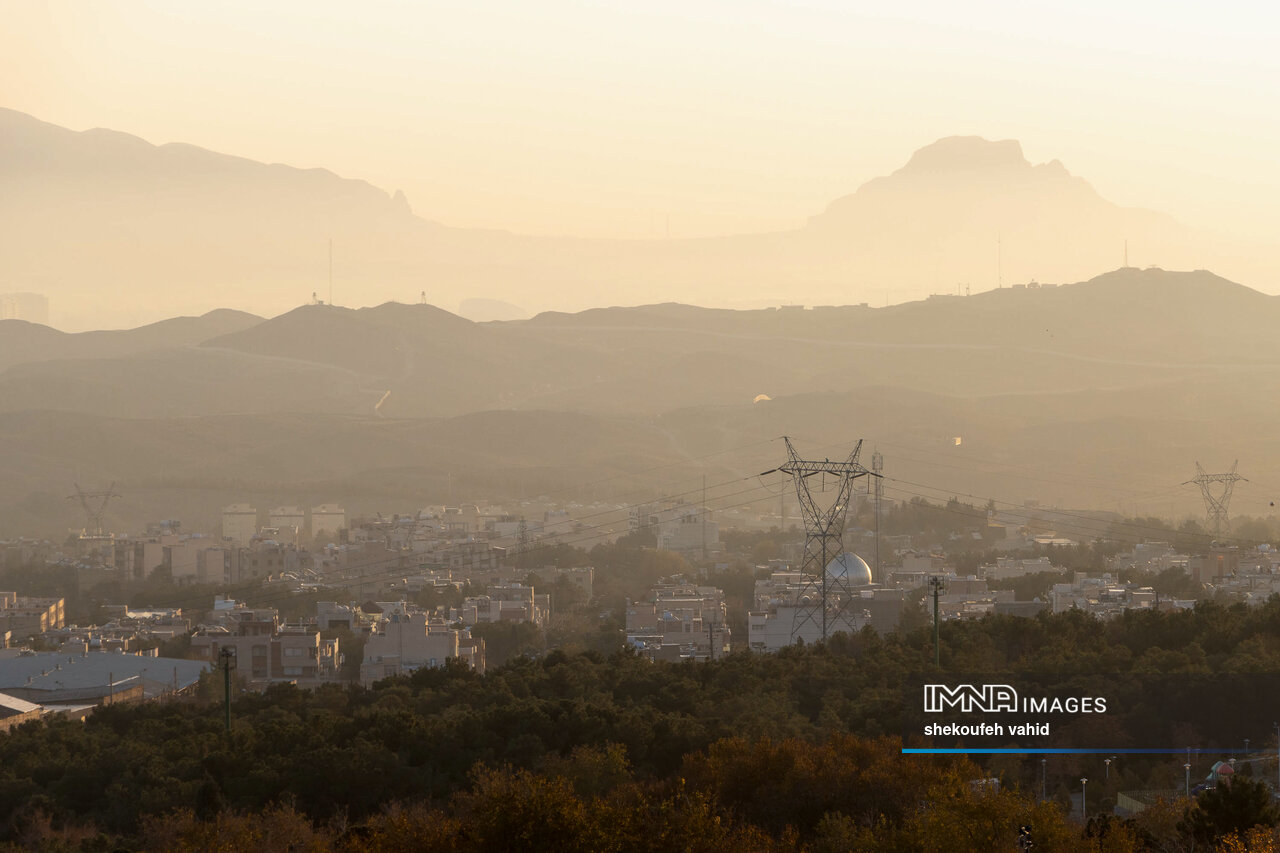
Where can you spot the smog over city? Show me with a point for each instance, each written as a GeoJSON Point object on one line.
{"type": "Point", "coordinates": [585, 426]}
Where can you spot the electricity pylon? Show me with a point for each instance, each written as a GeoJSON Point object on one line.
{"type": "Point", "coordinates": [1216, 507]}
{"type": "Point", "coordinates": [94, 505]}
{"type": "Point", "coordinates": [824, 597]}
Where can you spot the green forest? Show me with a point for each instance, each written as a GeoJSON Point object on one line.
{"type": "Point", "coordinates": [798, 750]}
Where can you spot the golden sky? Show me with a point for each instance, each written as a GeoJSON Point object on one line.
{"type": "Point", "coordinates": [701, 116]}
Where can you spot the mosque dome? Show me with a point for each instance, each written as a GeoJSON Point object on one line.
{"type": "Point", "coordinates": [849, 568]}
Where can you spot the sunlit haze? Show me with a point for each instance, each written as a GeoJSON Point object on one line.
{"type": "Point", "coordinates": [643, 119]}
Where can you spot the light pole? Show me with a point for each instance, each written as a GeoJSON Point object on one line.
{"type": "Point", "coordinates": [1187, 767]}
{"type": "Point", "coordinates": [1044, 772]}
{"type": "Point", "coordinates": [1106, 775]}
{"type": "Point", "coordinates": [1246, 747]}
{"type": "Point", "coordinates": [935, 589]}
{"type": "Point", "coordinates": [228, 660]}
{"type": "Point", "coordinates": [1084, 799]}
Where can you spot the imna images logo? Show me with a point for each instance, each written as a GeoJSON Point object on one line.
{"type": "Point", "coordinates": [969, 698]}
{"type": "Point", "coordinates": [1002, 698]}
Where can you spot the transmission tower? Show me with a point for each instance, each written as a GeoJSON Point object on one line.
{"type": "Point", "coordinates": [95, 505]}
{"type": "Point", "coordinates": [824, 597]}
{"type": "Point", "coordinates": [1216, 507]}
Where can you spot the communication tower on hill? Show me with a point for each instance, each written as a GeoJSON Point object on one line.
{"type": "Point", "coordinates": [1216, 506]}
{"type": "Point", "coordinates": [826, 592]}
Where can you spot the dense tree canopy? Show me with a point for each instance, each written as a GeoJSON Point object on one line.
{"type": "Point", "coordinates": [786, 751]}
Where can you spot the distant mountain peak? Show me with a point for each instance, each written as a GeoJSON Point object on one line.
{"type": "Point", "coordinates": [965, 153]}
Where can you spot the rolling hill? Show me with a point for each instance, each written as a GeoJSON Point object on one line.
{"type": "Point", "coordinates": [1098, 394]}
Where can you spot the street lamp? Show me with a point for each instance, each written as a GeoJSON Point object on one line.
{"type": "Point", "coordinates": [1106, 776]}
{"type": "Point", "coordinates": [1187, 767]}
{"type": "Point", "coordinates": [1084, 799]}
{"type": "Point", "coordinates": [1246, 747]}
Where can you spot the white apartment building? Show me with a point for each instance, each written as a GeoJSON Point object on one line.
{"type": "Point", "coordinates": [405, 642]}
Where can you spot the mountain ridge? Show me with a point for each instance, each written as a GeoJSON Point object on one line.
{"type": "Point", "coordinates": [181, 226]}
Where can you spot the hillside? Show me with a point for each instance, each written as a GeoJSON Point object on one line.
{"type": "Point", "coordinates": [1125, 329]}
{"type": "Point", "coordinates": [1098, 394]}
{"type": "Point", "coordinates": [22, 342]}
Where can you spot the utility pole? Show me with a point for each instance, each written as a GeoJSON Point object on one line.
{"type": "Point", "coordinates": [703, 514]}
{"type": "Point", "coordinates": [1278, 755]}
{"type": "Point", "coordinates": [935, 589]}
{"type": "Point", "coordinates": [877, 467]}
{"type": "Point", "coordinates": [228, 658]}
{"type": "Point", "coordinates": [1084, 800]}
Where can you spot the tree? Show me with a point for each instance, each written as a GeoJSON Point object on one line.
{"type": "Point", "coordinates": [1233, 807]}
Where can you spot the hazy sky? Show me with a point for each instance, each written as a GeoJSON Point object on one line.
{"type": "Point", "coordinates": [716, 116]}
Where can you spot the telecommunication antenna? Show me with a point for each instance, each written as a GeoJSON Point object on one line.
{"type": "Point", "coordinates": [330, 270]}
{"type": "Point", "coordinates": [94, 505]}
{"type": "Point", "coordinates": [1216, 506]}
{"type": "Point", "coordinates": [824, 596]}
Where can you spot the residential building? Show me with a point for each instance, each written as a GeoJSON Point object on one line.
{"type": "Point", "coordinates": [328, 519]}
{"type": "Point", "coordinates": [504, 602]}
{"type": "Point", "coordinates": [681, 621]}
{"type": "Point", "coordinates": [289, 522]}
{"type": "Point", "coordinates": [28, 616]}
{"type": "Point", "coordinates": [405, 641]}
{"type": "Point", "coordinates": [239, 523]}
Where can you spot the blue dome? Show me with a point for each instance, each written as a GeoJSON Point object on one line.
{"type": "Point", "coordinates": [850, 568]}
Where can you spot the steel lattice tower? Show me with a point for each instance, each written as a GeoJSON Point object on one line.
{"type": "Point", "coordinates": [1216, 507]}
{"type": "Point", "coordinates": [94, 505]}
{"type": "Point", "coordinates": [823, 598]}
